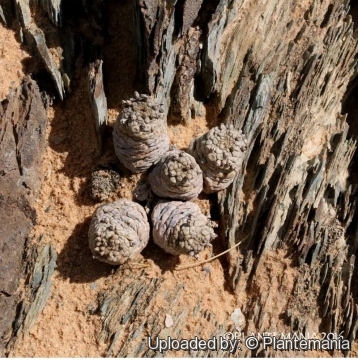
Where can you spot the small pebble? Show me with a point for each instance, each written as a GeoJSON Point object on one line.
{"type": "Point", "coordinates": [168, 321]}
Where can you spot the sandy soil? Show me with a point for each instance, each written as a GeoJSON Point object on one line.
{"type": "Point", "coordinates": [12, 61]}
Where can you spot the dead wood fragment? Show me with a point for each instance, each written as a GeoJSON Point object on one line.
{"type": "Point", "coordinates": [41, 263]}
{"type": "Point", "coordinates": [97, 98]}
{"type": "Point", "coordinates": [22, 142]}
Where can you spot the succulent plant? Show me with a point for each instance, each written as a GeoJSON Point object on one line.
{"type": "Point", "coordinates": [219, 153]}
{"type": "Point", "coordinates": [118, 231]}
{"type": "Point", "coordinates": [177, 176]}
{"type": "Point", "coordinates": [181, 228]}
{"type": "Point", "coordinates": [140, 133]}
{"type": "Point", "coordinates": [103, 183]}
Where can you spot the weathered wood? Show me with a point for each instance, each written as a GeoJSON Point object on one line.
{"type": "Point", "coordinates": [22, 143]}
{"type": "Point", "coordinates": [35, 38]}
{"type": "Point", "coordinates": [40, 263]}
{"type": "Point", "coordinates": [97, 98]}
{"type": "Point", "coordinates": [124, 305]}
{"type": "Point", "coordinates": [53, 9]}
{"type": "Point", "coordinates": [183, 85]}
{"type": "Point", "coordinates": [6, 12]}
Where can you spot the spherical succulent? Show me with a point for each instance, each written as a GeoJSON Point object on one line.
{"type": "Point", "coordinates": [103, 183]}
{"type": "Point", "coordinates": [181, 228]}
{"type": "Point", "coordinates": [140, 133]}
{"type": "Point", "coordinates": [219, 153]}
{"type": "Point", "coordinates": [118, 231]}
{"type": "Point", "coordinates": [177, 176]}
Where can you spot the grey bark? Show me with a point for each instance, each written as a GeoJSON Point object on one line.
{"type": "Point", "coordinates": [98, 98]}
{"type": "Point", "coordinates": [22, 133]}
{"type": "Point", "coordinates": [35, 37]}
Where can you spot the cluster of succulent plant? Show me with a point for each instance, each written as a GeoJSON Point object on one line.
{"type": "Point", "coordinates": [181, 228]}
{"type": "Point", "coordinates": [219, 153]}
{"type": "Point", "coordinates": [176, 176]}
{"type": "Point", "coordinates": [118, 231]}
{"type": "Point", "coordinates": [140, 135]}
